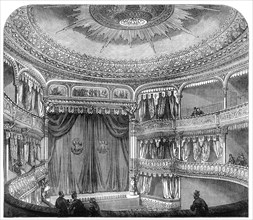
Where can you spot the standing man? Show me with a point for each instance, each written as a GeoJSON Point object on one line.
{"type": "Point", "coordinates": [62, 205]}
{"type": "Point", "coordinates": [199, 205]}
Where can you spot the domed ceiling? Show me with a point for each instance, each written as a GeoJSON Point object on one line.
{"type": "Point", "coordinates": [130, 32]}
{"type": "Point", "coordinates": [124, 42]}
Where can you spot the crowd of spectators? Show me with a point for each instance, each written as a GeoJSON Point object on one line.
{"type": "Point", "coordinates": [241, 160]}
{"type": "Point", "coordinates": [197, 112]}
{"type": "Point", "coordinates": [76, 208]}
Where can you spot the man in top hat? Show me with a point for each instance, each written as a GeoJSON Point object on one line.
{"type": "Point", "coordinates": [199, 205]}
{"type": "Point", "coordinates": [62, 205]}
{"type": "Point", "coordinates": [77, 208]}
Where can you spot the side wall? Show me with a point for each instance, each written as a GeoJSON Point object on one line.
{"type": "Point", "coordinates": [214, 192]}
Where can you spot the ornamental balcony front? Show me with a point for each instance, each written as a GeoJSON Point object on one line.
{"type": "Point", "coordinates": [166, 167]}
{"type": "Point", "coordinates": [22, 117]}
{"type": "Point", "coordinates": [159, 127]}
{"type": "Point", "coordinates": [23, 185]}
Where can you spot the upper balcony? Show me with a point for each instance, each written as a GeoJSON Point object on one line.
{"type": "Point", "coordinates": [22, 117]}
{"type": "Point", "coordinates": [227, 117]}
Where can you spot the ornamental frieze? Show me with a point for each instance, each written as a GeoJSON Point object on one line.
{"type": "Point", "coordinates": [209, 71]}
{"type": "Point", "coordinates": [161, 167]}
{"type": "Point", "coordinates": [90, 92]}
{"type": "Point", "coordinates": [22, 117]}
{"type": "Point", "coordinates": [197, 122]}
{"type": "Point", "coordinates": [88, 109]}
{"type": "Point", "coordinates": [155, 126]}
{"type": "Point", "coordinates": [58, 90]}
{"type": "Point", "coordinates": [233, 115]}
{"type": "Point", "coordinates": [229, 172]}
{"type": "Point", "coordinates": [202, 125]}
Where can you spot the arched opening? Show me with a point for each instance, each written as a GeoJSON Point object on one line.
{"type": "Point", "coordinates": [238, 92]}
{"type": "Point", "coordinates": [9, 81]}
{"type": "Point", "coordinates": [208, 96]}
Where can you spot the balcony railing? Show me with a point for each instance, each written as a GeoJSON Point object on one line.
{"type": "Point", "coordinates": [22, 116]}
{"type": "Point", "coordinates": [155, 166]}
{"type": "Point", "coordinates": [228, 172]}
{"type": "Point", "coordinates": [230, 116]}
{"type": "Point", "coordinates": [23, 185]}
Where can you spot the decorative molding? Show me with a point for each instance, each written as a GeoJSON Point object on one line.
{"type": "Point", "coordinates": [163, 167]}
{"type": "Point", "coordinates": [234, 115]}
{"type": "Point", "coordinates": [54, 59]}
{"type": "Point", "coordinates": [90, 92]}
{"type": "Point", "coordinates": [158, 205]}
{"type": "Point", "coordinates": [227, 172]}
{"type": "Point", "coordinates": [197, 123]}
{"type": "Point", "coordinates": [205, 124]}
{"type": "Point", "coordinates": [23, 185]}
{"type": "Point", "coordinates": [22, 117]}
{"type": "Point", "coordinates": [155, 167]}
{"type": "Point", "coordinates": [155, 126]}
{"type": "Point", "coordinates": [11, 62]}
{"type": "Point", "coordinates": [57, 90]}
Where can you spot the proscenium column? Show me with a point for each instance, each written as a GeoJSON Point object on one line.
{"type": "Point", "coordinates": [133, 151]}
{"type": "Point", "coordinates": [223, 137]}
{"type": "Point", "coordinates": [225, 102]}
{"type": "Point", "coordinates": [46, 138]}
{"type": "Point", "coordinates": [6, 153]}
{"type": "Point", "coordinates": [179, 98]}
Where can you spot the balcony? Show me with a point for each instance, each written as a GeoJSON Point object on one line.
{"type": "Point", "coordinates": [235, 115]}
{"type": "Point", "coordinates": [227, 172]}
{"type": "Point", "coordinates": [22, 117]}
{"type": "Point", "coordinates": [23, 185]}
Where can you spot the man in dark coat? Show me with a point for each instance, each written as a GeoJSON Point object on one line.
{"type": "Point", "coordinates": [94, 208]}
{"type": "Point", "coordinates": [62, 205]}
{"type": "Point", "coordinates": [199, 205]}
{"type": "Point", "coordinates": [77, 208]}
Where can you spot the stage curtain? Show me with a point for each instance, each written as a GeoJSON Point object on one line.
{"type": "Point", "coordinates": [103, 163]}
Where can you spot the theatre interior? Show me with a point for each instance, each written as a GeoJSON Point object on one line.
{"type": "Point", "coordinates": [134, 106]}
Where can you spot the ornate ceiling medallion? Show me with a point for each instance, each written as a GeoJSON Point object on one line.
{"type": "Point", "coordinates": [130, 17]}
{"type": "Point", "coordinates": [131, 23]}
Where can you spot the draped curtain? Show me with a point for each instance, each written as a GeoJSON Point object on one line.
{"type": "Point", "coordinates": [101, 166]}
{"type": "Point", "coordinates": [144, 184]}
{"type": "Point", "coordinates": [170, 187]}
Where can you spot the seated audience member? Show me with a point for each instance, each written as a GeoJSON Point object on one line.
{"type": "Point", "coordinates": [62, 205]}
{"type": "Point", "coordinates": [231, 159]}
{"type": "Point", "coordinates": [94, 208]}
{"type": "Point", "coordinates": [77, 208]}
{"type": "Point", "coordinates": [199, 205]}
{"type": "Point", "coordinates": [194, 113]}
{"type": "Point", "coordinates": [199, 112]}
{"type": "Point", "coordinates": [241, 160]}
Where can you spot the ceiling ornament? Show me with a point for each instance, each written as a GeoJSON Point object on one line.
{"type": "Point", "coordinates": [131, 22]}
{"type": "Point", "coordinates": [25, 40]}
